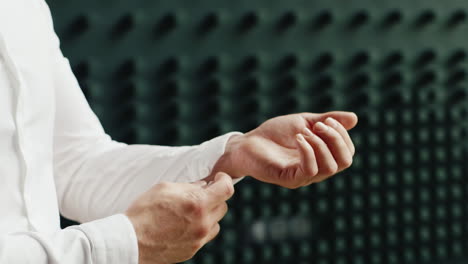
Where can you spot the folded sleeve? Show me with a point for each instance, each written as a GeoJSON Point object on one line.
{"type": "Point", "coordinates": [107, 241]}
{"type": "Point", "coordinates": [97, 177]}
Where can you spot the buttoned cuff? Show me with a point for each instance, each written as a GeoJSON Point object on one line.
{"type": "Point", "coordinates": [208, 154]}
{"type": "Point", "coordinates": [113, 240]}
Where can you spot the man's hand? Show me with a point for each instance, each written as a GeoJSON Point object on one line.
{"type": "Point", "coordinates": [293, 150]}
{"type": "Point", "coordinates": [174, 220]}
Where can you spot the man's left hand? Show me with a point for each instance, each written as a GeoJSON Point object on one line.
{"type": "Point", "coordinates": [293, 150]}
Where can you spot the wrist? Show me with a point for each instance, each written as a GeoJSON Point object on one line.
{"type": "Point", "coordinates": [147, 251]}
{"type": "Point", "coordinates": [231, 160]}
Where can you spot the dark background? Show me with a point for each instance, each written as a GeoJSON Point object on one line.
{"type": "Point", "coordinates": [181, 72]}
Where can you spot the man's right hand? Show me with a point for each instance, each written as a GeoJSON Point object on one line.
{"type": "Point", "coordinates": [174, 220]}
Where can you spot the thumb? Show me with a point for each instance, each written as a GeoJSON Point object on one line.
{"type": "Point", "coordinates": [201, 183]}
{"type": "Point", "coordinates": [347, 119]}
{"type": "Point", "coordinates": [222, 188]}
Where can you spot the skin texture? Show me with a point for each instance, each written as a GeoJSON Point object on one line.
{"type": "Point", "coordinates": [293, 150]}
{"type": "Point", "coordinates": [174, 220]}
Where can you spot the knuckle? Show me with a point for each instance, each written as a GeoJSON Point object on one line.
{"type": "Point", "coordinates": [229, 189]}
{"type": "Point", "coordinates": [330, 123]}
{"type": "Point", "coordinates": [315, 172]}
{"type": "Point", "coordinates": [217, 230]}
{"type": "Point", "coordinates": [196, 246]}
{"type": "Point", "coordinates": [347, 162]}
{"type": "Point", "coordinates": [202, 232]}
{"type": "Point", "coordinates": [330, 169]}
{"type": "Point", "coordinates": [334, 137]}
{"type": "Point", "coordinates": [312, 172]}
{"type": "Point", "coordinates": [319, 142]}
{"type": "Point", "coordinates": [194, 207]}
{"type": "Point", "coordinates": [199, 211]}
{"type": "Point", "coordinates": [224, 208]}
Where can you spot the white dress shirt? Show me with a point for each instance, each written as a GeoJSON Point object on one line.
{"type": "Point", "coordinates": [55, 155]}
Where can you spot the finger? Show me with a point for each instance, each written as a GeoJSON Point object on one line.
{"type": "Point", "coordinates": [343, 132]}
{"type": "Point", "coordinates": [347, 119]}
{"type": "Point", "coordinates": [326, 163]}
{"type": "Point", "coordinates": [200, 183]}
{"type": "Point", "coordinates": [221, 189]}
{"type": "Point", "coordinates": [220, 211]}
{"type": "Point", "coordinates": [308, 161]}
{"type": "Point", "coordinates": [336, 144]}
{"type": "Point", "coordinates": [208, 184]}
{"type": "Point", "coordinates": [213, 232]}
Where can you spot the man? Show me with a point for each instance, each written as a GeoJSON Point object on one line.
{"type": "Point", "coordinates": [56, 156]}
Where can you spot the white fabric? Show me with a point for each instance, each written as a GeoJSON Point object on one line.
{"type": "Point", "coordinates": [55, 155]}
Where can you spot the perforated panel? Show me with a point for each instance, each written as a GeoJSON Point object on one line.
{"type": "Point", "coordinates": [173, 72]}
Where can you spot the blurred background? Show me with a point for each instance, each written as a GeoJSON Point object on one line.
{"type": "Point", "coordinates": [182, 72]}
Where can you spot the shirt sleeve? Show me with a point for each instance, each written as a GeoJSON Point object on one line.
{"type": "Point", "coordinates": [97, 177]}
{"type": "Point", "coordinates": [83, 244]}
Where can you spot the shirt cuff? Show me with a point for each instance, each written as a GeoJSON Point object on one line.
{"type": "Point", "coordinates": [113, 240]}
{"type": "Point", "coordinates": [208, 154]}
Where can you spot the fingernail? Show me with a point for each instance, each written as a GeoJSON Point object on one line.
{"type": "Point", "coordinates": [307, 132]}
{"type": "Point", "coordinates": [332, 122]}
{"type": "Point", "coordinates": [320, 127]}
{"type": "Point", "coordinates": [300, 137]}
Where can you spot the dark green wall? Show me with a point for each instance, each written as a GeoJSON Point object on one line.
{"type": "Point", "coordinates": [180, 72]}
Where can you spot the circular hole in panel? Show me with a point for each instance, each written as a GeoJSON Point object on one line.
{"type": "Point", "coordinates": [395, 58]}
{"type": "Point", "coordinates": [79, 25]}
{"type": "Point", "coordinates": [426, 78]}
{"type": "Point", "coordinates": [209, 22]}
{"type": "Point", "coordinates": [287, 20]}
{"type": "Point", "coordinates": [457, 77]}
{"type": "Point", "coordinates": [169, 66]}
{"type": "Point", "coordinates": [425, 18]}
{"type": "Point", "coordinates": [126, 69]}
{"type": "Point", "coordinates": [323, 19]}
{"type": "Point", "coordinates": [249, 21]}
{"type": "Point", "coordinates": [457, 18]}
{"type": "Point", "coordinates": [323, 83]}
{"type": "Point", "coordinates": [392, 18]}
{"type": "Point", "coordinates": [288, 62]}
{"type": "Point", "coordinates": [323, 62]}
{"type": "Point", "coordinates": [360, 18]}
{"type": "Point", "coordinates": [250, 63]}
{"type": "Point", "coordinates": [360, 81]}
{"type": "Point", "coordinates": [425, 58]}
{"type": "Point", "coordinates": [458, 97]}
{"type": "Point", "coordinates": [210, 65]}
{"type": "Point", "coordinates": [124, 24]}
{"type": "Point", "coordinates": [82, 70]}
{"type": "Point", "coordinates": [456, 58]}
{"type": "Point", "coordinates": [166, 24]}
{"type": "Point", "coordinates": [213, 87]}
{"type": "Point", "coordinates": [360, 59]}
{"type": "Point", "coordinates": [392, 80]}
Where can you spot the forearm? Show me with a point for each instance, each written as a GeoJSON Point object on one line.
{"type": "Point", "coordinates": [98, 178]}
